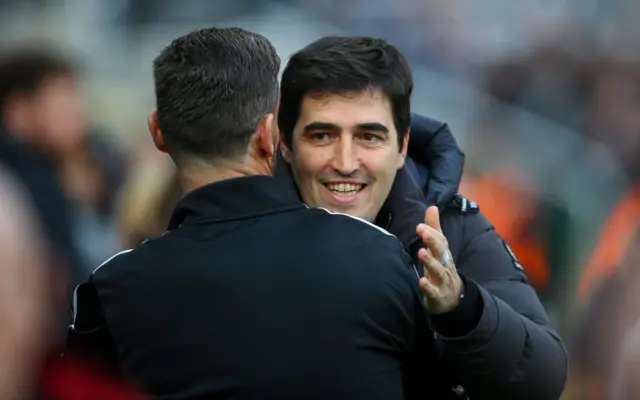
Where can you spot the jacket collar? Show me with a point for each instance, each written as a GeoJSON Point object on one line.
{"type": "Point", "coordinates": [233, 199]}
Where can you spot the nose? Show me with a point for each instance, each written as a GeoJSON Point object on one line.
{"type": "Point", "coordinates": [345, 159]}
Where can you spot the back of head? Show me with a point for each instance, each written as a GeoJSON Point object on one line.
{"type": "Point", "coordinates": [346, 64]}
{"type": "Point", "coordinates": [213, 87]}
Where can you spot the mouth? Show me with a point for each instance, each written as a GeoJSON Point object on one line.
{"type": "Point", "coordinates": [345, 189]}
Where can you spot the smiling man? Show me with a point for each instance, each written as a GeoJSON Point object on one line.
{"type": "Point", "coordinates": [344, 119]}
{"type": "Point", "coordinates": [346, 155]}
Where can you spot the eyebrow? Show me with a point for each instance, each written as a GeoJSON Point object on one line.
{"type": "Point", "coordinates": [328, 126]}
{"type": "Point", "coordinates": [372, 127]}
{"type": "Point", "coordinates": [321, 126]}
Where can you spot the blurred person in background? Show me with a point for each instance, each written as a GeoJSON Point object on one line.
{"type": "Point", "coordinates": [43, 109]}
{"type": "Point", "coordinates": [26, 104]}
{"type": "Point", "coordinates": [612, 109]}
{"type": "Point", "coordinates": [344, 120]}
{"type": "Point", "coordinates": [615, 242]}
{"type": "Point", "coordinates": [596, 94]}
{"type": "Point", "coordinates": [30, 365]}
{"type": "Point", "coordinates": [605, 344]}
{"type": "Point", "coordinates": [614, 119]}
{"type": "Point", "coordinates": [93, 173]}
{"type": "Point", "coordinates": [511, 200]}
{"type": "Point", "coordinates": [590, 96]}
{"type": "Point", "coordinates": [24, 302]}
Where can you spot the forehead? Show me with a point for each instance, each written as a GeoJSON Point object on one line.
{"type": "Point", "coordinates": [57, 85]}
{"type": "Point", "coordinates": [347, 109]}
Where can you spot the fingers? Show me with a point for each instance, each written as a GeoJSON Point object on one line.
{"type": "Point", "coordinates": [433, 270]}
{"type": "Point", "coordinates": [427, 288]}
{"type": "Point", "coordinates": [432, 218]}
{"type": "Point", "coordinates": [435, 242]}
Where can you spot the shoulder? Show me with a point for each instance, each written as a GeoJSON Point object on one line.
{"type": "Point", "coordinates": [113, 264]}
{"type": "Point", "coordinates": [87, 302]}
{"type": "Point", "coordinates": [351, 223]}
{"type": "Point", "coordinates": [462, 221]}
{"type": "Point", "coordinates": [151, 251]}
{"type": "Point", "coordinates": [462, 210]}
{"type": "Point", "coordinates": [463, 205]}
{"type": "Point", "coordinates": [356, 231]}
{"type": "Point", "coordinates": [129, 260]}
{"type": "Point", "coordinates": [367, 241]}
{"type": "Point", "coordinates": [469, 231]}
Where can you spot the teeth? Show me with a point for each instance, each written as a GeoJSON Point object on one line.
{"type": "Point", "coordinates": [344, 187]}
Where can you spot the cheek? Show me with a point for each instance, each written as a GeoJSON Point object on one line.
{"type": "Point", "coordinates": [309, 163]}
{"type": "Point", "coordinates": [382, 165]}
{"type": "Point", "coordinates": [47, 116]}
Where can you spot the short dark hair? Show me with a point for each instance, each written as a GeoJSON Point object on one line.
{"type": "Point", "coordinates": [212, 87]}
{"type": "Point", "coordinates": [341, 64]}
{"type": "Point", "coordinates": [25, 70]}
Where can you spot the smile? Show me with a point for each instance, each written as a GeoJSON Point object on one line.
{"type": "Point", "coordinates": [345, 189]}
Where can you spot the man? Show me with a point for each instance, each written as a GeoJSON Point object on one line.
{"type": "Point", "coordinates": [34, 97]}
{"type": "Point", "coordinates": [240, 299]}
{"type": "Point", "coordinates": [43, 111]}
{"type": "Point", "coordinates": [344, 117]}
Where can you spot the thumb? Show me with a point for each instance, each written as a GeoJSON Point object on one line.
{"type": "Point", "coordinates": [432, 218]}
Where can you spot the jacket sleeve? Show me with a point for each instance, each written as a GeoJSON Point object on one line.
{"type": "Point", "coordinates": [419, 354]}
{"type": "Point", "coordinates": [513, 352]}
{"type": "Point", "coordinates": [432, 144]}
{"type": "Point", "coordinates": [88, 337]}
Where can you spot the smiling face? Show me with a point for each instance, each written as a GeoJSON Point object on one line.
{"type": "Point", "coordinates": [345, 152]}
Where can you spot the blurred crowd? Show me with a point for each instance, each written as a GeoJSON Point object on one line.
{"type": "Point", "coordinates": [543, 97]}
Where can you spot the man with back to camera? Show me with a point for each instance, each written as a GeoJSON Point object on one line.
{"type": "Point", "coordinates": [240, 299]}
{"type": "Point", "coordinates": [344, 117]}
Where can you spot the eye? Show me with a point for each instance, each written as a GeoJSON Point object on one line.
{"type": "Point", "coordinates": [320, 137]}
{"type": "Point", "coordinates": [371, 138]}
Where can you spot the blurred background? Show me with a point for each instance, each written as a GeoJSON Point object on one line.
{"type": "Point", "coordinates": [542, 95]}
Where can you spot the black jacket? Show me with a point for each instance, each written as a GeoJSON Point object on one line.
{"type": "Point", "coordinates": [498, 344]}
{"type": "Point", "coordinates": [252, 295]}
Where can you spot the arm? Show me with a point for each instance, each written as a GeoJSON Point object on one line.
{"type": "Point", "coordinates": [432, 145]}
{"type": "Point", "coordinates": [420, 352]}
{"type": "Point", "coordinates": [511, 351]}
{"type": "Point", "coordinates": [395, 310]}
{"type": "Point", "coordinates": [88, 337]}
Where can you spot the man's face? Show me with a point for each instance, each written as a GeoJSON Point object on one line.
{"type": "Point", "coordinates": [345, 152]}
{"type": "Point", "coordinates": [56, 114]}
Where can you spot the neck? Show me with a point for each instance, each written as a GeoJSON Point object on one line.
{"type": "Point", "coordinates": [193, 177]}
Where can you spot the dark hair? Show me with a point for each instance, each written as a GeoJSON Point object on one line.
{"type": "Point", "coordinates": [212, 87]}
{"type": "Point", "coordinates": [24, 71]}
{"type": "Point", "coordinates": [339, 64]}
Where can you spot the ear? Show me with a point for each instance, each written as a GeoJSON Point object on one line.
{"type": "Point", "coordinates": [266, 141]}
{"type": "Point", "coordinates": [403, 150]}
{"type": "Point", "coordinates": [154, 130]}
{"type": "Point", "coordinates": [284, 149]}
